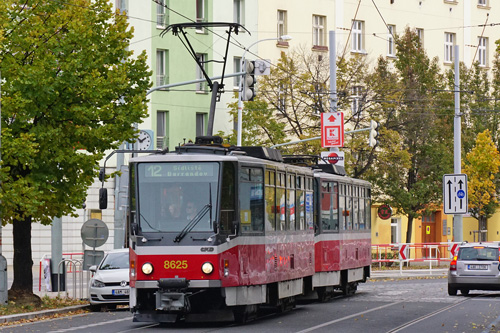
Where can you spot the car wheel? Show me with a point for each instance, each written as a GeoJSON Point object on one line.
{"type": "Point", "coordinates": [452, 291]}
{"type": "Point", "coordinates": [464, 292]}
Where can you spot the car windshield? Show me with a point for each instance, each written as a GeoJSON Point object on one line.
{"type": "Point", "coordinates": [117, 260]}
{"type": "Point", "coordinates": [478, 253]}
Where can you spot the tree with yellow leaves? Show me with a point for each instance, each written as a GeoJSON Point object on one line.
{"type": "Point", "coordinates": [481, 166]}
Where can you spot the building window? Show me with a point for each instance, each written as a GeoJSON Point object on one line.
{"type": "Point", "coordinates": [357, 36]}
{"type": "Point", "coordinates": [200, 14]}
{"type": "Point", "coordinates": [282, 23]}
{"type": "Point", "coordinates": [238, 12]}
{"type": "Point", "coordinates": [391, 50]}
{"type": "Point", "coordinates": [200, 124]}
{"type": "Point", "coordinates": [420, 35]}
{"type": "Point", "coordinates": [121, 5]}
{"type": "Point", "coordinates": [319, 30]}
{"type": "Point", "coordinates": [161, 68]}
{"type": "Point", "coordinates": [357, 97]}
{"type": "Point", "coordinates": [202, 59]}
{"type": "Point", "coordinates": [483, 3]}
{"type": "Point", "coordinates": [237, 68]}
{"type": "Point", "coordinates": [395, 235]}
{"type": "Point", "coordinates": [161, 129]}
{"type": "Point", "coordinates": [483, 51]}
{"type": "Point", "coordinates": [449, 43]}
{"type": "Point", "coordinates": [161, 13]}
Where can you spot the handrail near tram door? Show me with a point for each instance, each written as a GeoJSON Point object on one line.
{"type": "Point", "coordinates": [411, 254]}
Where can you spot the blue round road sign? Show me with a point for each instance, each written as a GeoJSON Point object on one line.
{"type": "Point", "coordinates": [461, 194]}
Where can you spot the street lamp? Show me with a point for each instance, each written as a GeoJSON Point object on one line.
{"type": "Point", "coordinates": [240, 91]}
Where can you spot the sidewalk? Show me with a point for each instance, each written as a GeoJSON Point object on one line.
{"type": "Point", "coordinates": [408, 273]}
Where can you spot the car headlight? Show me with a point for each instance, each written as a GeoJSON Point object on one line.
{"type": "Point", "coordinates": [98, 284]}
{"type": "Point", "coordinates": [147, 268]}
{"type": "Point", "coordinates": [207, 268]}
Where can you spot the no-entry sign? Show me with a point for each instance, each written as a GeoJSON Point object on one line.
{"type": "Point", "coordinates": [332, 129]}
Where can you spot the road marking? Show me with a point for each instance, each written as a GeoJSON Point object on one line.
{"type": "Point", "coordinates": [348, 317]}
{"type": "Point", "coordinates": [92, 325]}
{"type": "Point", "coordinates": [412, 322]}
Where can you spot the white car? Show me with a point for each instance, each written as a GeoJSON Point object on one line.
{"type": "Point", "coordinates": [109, 285]}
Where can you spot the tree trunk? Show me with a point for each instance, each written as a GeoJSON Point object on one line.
{"type": "Point", "coordinates": [409, 230]}
{"type": "Point", "coordinates": [23, 263]}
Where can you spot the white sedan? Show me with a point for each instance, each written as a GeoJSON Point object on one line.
{"type": "Point", "coordinates": [109, 285]}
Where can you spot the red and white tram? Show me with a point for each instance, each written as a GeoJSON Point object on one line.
{"type": "Point", "coordinates": [217, 231]}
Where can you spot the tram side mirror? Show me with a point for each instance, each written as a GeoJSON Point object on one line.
{"type": "Point", "coordinates": [103, 198]}
{"type": "Point", "coordinates": [235, 227]}
{"type": "Point", "coordinates": [134, 228]}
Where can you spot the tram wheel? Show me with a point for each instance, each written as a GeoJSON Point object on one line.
{"type": "Point", "coordinates": [350, 289]}
{"type": "Point", "coordinates": [244, 313]}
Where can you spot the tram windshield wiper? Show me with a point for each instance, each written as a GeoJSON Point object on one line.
{"type": "Point", "coordinates": [187, 229]}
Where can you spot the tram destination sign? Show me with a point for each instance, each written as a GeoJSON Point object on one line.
{"type": "Point", "coordinates": [179, 170]}
{"type": "Point", "coordinates": [455, 194]}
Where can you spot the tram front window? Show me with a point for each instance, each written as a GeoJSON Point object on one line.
{"type": "Point", "coordinates": [171, 195]}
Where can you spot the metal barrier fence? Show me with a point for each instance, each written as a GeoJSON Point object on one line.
{"type": "Point", "coordinates": [426, 253]}
{"type": "Point", "coordinates": [74, 282]}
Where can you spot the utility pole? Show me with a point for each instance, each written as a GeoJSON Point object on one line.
{"type": "Point", "coordinates": [457, 146]}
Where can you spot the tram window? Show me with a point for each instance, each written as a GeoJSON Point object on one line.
{"type": "Point", "coordinates": [368, 214]}
{"type": "Point", "coordinates": [300, 209]}
{"type": "Point", "coordinates": [280, 200]}
{"type": "Point", "coordinates": [228, 194]}
{"type": "Point", "coordinates": [342, 210]}
{"type": "Point", "coordinates": [290, 209]}
{"type": "Point", "coordinates": [270, 177]}
{"type": "Point", "coordinates": [329, 206]}
{"type": "Point", "coordinates": [348, 211]}
{"type": "Point", "coordinates": [362, 218]}
{"type": "Point", "coordinates": [271, 208]}
{"type": "Point", "coordinates": [355, 212]}
{"type": "Point", "coordinates": [245, 174]}
{"type": "Point", "coordinates": [251, 200]}
{"type": "Point", "coordinates": [298, 184]}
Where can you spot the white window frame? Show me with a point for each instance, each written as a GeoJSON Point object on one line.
{"type": "Point", "coordinates": [200, 123]}
{"type": "Point", "coordinates": [282, 28]}
{"type": "Point", "coordinates": [121, 5]}
{"type": "Point", "coordinates": [420, 34]}
{"type": "Point", "coordinates": [357, 95]}
{"type": "Point", "coordinates": [200, 14]}
{"type": "Point", "coordinates": [483, 3]}
{"type": "Point", "coordinates": [391, 45]}
{"type": "Point", "coordinates": [482, 49]}
{"type": "Point", "coordinates": [201, 87]}
{"type": "Point", "coordinates": [449, 46]}
{"type": "Point", "coordinates": [239, 12]}
{"type": "Point", "coordinates": [396, 236]}
{"type": "Point", "coordinates": [161, 14]}
{"type": "Point", "coordinates": [357, 32]}
{"type": "Point", "coordinates": [161, 67]}
{"type": "Point", "coordinates": [319, 29]}
{"type": "Point", "coordinates": [237, 68]}
{"type": "Point", "coordinates": [161, 129]}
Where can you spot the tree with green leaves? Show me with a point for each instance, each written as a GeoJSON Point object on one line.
{"type": "Point", "coordinates": [71, 90]}
{"type": "Point", "coordinates": [420, 117]}
{"type": "Point", "coordinates": [481, 167]}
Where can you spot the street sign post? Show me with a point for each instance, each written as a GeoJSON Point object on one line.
{"type": "Point", "coordinates": [455, 194]}
{"type": "Point", "coordinates": [332, 129]}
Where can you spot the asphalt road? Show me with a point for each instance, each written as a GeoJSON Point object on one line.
{"type": "Point", "coordinates": [416, 305]}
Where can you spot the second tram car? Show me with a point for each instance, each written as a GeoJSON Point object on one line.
{"type": "Point", "coordinates": [216, 231]}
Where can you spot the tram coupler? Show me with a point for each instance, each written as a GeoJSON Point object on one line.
{"type": "Point", "coordinates": [171, 295]}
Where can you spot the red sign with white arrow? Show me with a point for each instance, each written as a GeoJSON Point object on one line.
{"type": "Point", "coordinates": [403, 252]}
{"type": "Point", "coordinates": [453, 250]}
{"type": "Point", "coordinates": [332, 129]}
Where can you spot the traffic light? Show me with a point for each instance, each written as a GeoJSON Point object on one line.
{"type": "Point", "coordinates": [248, 92]}
{"type": "Point", "coordinates": [372, 141]}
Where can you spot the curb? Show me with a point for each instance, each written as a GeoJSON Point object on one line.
{"type": "Point", "coordinates": [39, 314]}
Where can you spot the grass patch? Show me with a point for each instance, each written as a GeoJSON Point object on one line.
{"type": "Point", "coordinates": [48, 303]}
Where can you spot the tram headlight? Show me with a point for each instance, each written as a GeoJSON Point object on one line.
{"type": "Point", "coordinates": [207, 268]}
{"type": "Point", "coordinates": [147, 268]}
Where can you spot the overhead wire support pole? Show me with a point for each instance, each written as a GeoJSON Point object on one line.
{"type": "Point", "coordinates": [457, 145]}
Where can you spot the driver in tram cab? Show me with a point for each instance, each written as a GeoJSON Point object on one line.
{"type": "Point", "coordinates": [175, 210]}
{"type": "Point", "coordinates": [190, 211]}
